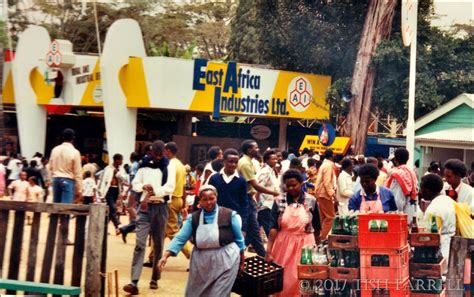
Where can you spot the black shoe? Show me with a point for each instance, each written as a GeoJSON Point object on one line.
{"type": "Point", "coordinates": [131, 288]}
{"type": "Point", "coordinates": [154, 285]}
{"type": "Point", "coordinates": [124, 237]}
{"type": "Point", "coordinates": [148, 264]}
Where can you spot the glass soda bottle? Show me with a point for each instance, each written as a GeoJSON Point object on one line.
{"type": "Point", "coordinates": [304, 255]}
{"type": "Point", "coordinates": [374, 226]}
{"type": "Point", "coordinates": [434, 225]}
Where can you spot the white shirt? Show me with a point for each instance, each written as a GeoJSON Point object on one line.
{"type": "Point", "coordinates": [285, 165]}
{"type": "Point", "coordinates": [229, 178]}
{"type": "Point", "coordinates": [267, 178]}
{"type": "Point", "coordinates": [153, 177]}
{"type": "Point", "coordinates": [88, 187]}
{"type": "Point", "coordinates": [208, 167]}
{"type": "Point", "coordinates": [443, 207]}
{"type": "Point", "coordinates": [465, 194]}
{"type": "Point", "coordinates": [344, 186]}
{"type": "Point", "coordinates": [15, 166]}
{"type": "Point", "coordinates": [108, 176]}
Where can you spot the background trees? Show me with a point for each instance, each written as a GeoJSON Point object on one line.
{"type": "Point", "coordinates": [323, 36]}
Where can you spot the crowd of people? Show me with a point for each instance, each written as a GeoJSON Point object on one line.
{"type": "Point", "coordinates": [271, 203]}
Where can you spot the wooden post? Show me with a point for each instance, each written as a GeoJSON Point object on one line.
{"type": "Point", "coordinates": [457, 255]}
{"type": "Point", "coordinates": [116, 283]}
{"type": "Point", "coordinates": [93, 254]}
{"type": "Point", "coordinates": [109, 284]}
{"type": "Point", "coordinates": [282, 134]}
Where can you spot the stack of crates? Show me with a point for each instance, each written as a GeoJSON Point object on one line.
{"type": "Point", "coordinates": [427, 265]}
{"type": "Point", "coordinates": [384, 255]}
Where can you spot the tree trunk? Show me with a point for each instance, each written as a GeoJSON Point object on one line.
{"type": "Point", "coordinates": [377, 27]}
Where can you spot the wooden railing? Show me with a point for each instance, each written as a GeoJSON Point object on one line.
{"type": "Point", "coordinates": [92, 241]}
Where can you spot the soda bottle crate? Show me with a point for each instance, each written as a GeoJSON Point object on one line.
{"type": "Point", "coordinates": [343, 273]}
{"type": "Point", "coordinates": [385, 264]}
{"type": "Point", "coordinates": [424, 239]}
{"type": "Point", "coordinates": [420, 294]}
{"type": "Point", "coordinates": [385, 293]}
{"type": "Point", "coordinates": [259, 278]}
{"type": "Point", "coordinates": [343, 242]}
{"type": "Point", "coordinates": [395, 237]}
{"type": "Point", "coordinates": [384, 289]}
{"type": "Point", "coordinates": [427, 287]}
{"type": "Point", "coordinates": [313, 271]}
{"type": "Point", "coordinates": [431, 270]}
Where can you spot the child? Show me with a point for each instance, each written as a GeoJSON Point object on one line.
{"type": "Point", "coordinates": [89, 188]}
{"type": "Point", "coordinates": [35, 192]}
{"type": "Point", "coordinates": [19, 188]}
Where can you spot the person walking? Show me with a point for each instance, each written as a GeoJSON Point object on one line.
{"type": "Point", "coordinates": [325, 192]}
{"type": "Point", "coordinates": [267, 178]}
{"type": "Point", "coordinates": [219, 247]}
{"type": "Point", "coordinates": [178, 198]}
{"type": "Point", "coordinates": [296, 224]}
{"type": "Point", "coordinates": [19, 188]}
{"type": "Point", "coordinates": [66, 170]}
{"type": "Point", "coordinates": [403, 184]}
{"type": "Point", "coordinates": [231, 187]}
{"type": "Point", "coordinates": [111, 185]}
{"type": "Point", "coordinates": [246, 170]}
{"type": "Point", "coordinates": [345, 184]}
{"type": "Point", "coordinates": [156, 183]}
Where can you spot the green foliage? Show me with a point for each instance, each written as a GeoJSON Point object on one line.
{"type": "Point", "coordinates": [309, 36]}
{"type": "Point", "coordinates": [3, 35]}
{"type": "Point", "coordinates": [185, 31]}
{"type": "Point", "coordinates": [322, 37]}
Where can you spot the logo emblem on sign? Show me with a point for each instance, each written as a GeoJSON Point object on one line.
{"type": "Point", "coordinates": [300, 93]}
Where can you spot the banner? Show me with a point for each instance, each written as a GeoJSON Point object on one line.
{"type": "Point", "coordinates": [219, 88]}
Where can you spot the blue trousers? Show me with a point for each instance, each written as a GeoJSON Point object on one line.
{"type": "Point", "coordinates": [253, 230]}
{"type": "Point", "coordinates": [63, 190]}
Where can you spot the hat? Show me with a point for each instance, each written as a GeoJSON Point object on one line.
{"type": "Point", "coordinates": [207, 188]}
{"type": "Point", "coordinates": [317, 157]}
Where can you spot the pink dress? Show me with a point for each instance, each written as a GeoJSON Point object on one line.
{"type": "Point", "coordinates": [289, 241]}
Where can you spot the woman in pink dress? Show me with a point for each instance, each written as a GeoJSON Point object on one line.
{"type": "Point", "coordinates": [296, 224]}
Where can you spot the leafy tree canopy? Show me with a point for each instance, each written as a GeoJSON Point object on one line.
{"type": "Point", "coordinates": [322, 37]}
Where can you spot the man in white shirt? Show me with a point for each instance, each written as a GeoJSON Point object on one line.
{"type": "Point", "coordinates": [66, 170]}
{"type": "Point", "coordinates": [454, 172]}
{"type": "Point", "coordinates": [213, 153]}
{"type": "Point", "coordinates": [14, 168]}
{"type": "Point", "coordinates": [441, 206]}
{"type": "Point", "coordinates": [156, 181]}
{"type": "Point", "coordinates": [111, 185]}
{"type": "Point", "coordinates": [267, 178]}
{"type": "Point", "coordinates": [345, 184]}
{"type": "Point", "coordinates": [285, 163]}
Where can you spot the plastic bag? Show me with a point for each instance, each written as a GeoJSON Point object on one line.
{"type": "Point", "coordinates": [464, 223]}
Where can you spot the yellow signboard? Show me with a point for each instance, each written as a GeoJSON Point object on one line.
{"type": "Point", "coordinates": [340, 145]}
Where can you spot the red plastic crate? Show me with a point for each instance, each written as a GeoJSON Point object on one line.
{"type": "Point", "coordinates": [385, 289]}
{"type": "Point", "coordinates": [385, 293]}
{"type": "Point", "coordinates": [396, 236]}
{"type": "Point", "coordinates": [397, 271]}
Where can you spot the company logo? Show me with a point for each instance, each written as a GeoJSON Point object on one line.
{"type": "Point", "coordinates": [300, 93]}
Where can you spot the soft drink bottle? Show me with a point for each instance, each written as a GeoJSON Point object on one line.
{"type": "Point", "coordinates": [374, 226]}
{"type": "Point", "coordinates": [304, 255]}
